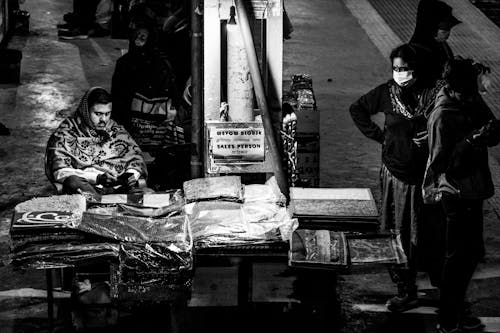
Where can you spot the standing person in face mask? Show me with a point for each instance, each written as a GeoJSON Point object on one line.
{"type": "Point", "coordinates": [404, 102]}
{"type": "Point", "coordinates": [432, 30]}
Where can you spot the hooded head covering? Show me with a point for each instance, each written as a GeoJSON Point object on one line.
{"type": "Point", "coordinates": [82, 116]}
{"type": "Point", "coordinates": [83, 109]}
{"type": "Point", "coordinates": [431, 16]}
{"type": "Point", "coordinates": [141, 19]}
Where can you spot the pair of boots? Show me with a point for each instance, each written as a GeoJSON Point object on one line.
{"type": "Point", "coordinates": [405, 300]}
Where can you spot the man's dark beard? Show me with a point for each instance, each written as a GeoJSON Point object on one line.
{"type": "Point", "coordinates": [102, 133]}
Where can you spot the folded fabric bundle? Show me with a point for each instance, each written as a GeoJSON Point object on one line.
{"type": "Point", "coordinates": [221, 223]}
{"type": "Point", "coordinates": [227, 188]}
{"type": "Point", "coordinates": [42, 256]}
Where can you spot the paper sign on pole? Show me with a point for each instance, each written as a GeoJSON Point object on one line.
{"type": "Point", "coordinates": [244, 144]}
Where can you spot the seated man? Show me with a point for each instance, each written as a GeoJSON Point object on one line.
{"type": "Point", "coordinates": [90, 152]}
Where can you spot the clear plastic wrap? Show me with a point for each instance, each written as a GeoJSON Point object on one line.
{"type": "Point", "coordinates": [152, 270]}
{"type": "Point", "coordinates": [268, 192]}
{"type": "Point", "coordinates": [42, 256]}
{"type": "Point", "coordinates": [220, 223]}
{"type": "Point", "coordinates": [318, 248]}
{"type": "Point", "coordinates": [137, 229]}
{"type": "Point", "coordinates": [376, 250]}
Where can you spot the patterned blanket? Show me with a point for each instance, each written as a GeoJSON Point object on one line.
{"type": "Point", "coordinates": [78, 144]}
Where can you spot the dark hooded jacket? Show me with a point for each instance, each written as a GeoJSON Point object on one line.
{"type": "Point", "coordinates": [144, 71]}
{"type": "Point", "coordinates": [449, 125]}
{"type": "Point", "coordinates": [432, 54]}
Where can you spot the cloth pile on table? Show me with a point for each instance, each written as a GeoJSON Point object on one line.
{"type": "Point", "coordinates": [155, 247]}
{"type": "Point", "coordinates": [236, 215]}
{"type": "Point", "coordinates": [43, 234]}
{"type": "Point", "coordinates": [150, 254]}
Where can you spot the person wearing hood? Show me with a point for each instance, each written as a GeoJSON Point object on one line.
{"type": "Point", "coordinates": [404, 102]}
{"type": "Point", "coordinates": [146, 100]}
{"type": "Point", "coordinates": [460, 127]}
{"type": "Point", "coordinates": [434, 23]}
{"type": "Point", "coordinates": [143, 83]}
{"type": "Point", "coordinates": [90, 152]}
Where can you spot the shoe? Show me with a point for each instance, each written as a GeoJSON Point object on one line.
{"type": "Point", "coordinates": [442, 329]}
{"type": "Point", "coordinates": [405, 300]}
{"type": "Point", "coordinates": [73, 34]}
{"type": "Point", "coordinates": [65, 27]}
{"type": "Point", "coordinates": [469, 323]}
{"type": "Point", "coordinates": [402, 303]}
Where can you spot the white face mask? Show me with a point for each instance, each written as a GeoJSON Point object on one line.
{"type": "Point", "coordinates": [403, 78]}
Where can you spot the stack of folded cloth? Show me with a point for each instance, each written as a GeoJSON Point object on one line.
{"type": "Point", "coordinates": [43, 234]}
{"type": "Point", "coordinates": [231, 215]}
{"type": "Point", "coordinates": [155, 247]}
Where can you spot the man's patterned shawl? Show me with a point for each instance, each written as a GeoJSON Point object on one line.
{"type": "Point", "coordinates": [78, 144]}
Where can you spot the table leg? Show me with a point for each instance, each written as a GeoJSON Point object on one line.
{"type": "Point", "coordinates": [50, 298]}
{"type": "Point", "coordinates": [245, 281]}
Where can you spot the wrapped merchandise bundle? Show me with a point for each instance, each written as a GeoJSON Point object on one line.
{"type": "Point", "coordinates": [149, 247]}
{"type": "Point", "coordinates": [155, 247]}
{"type": "Point", "coordinates": [44, 235]}
{"type": "Point", "coordinates": [339, 230]}
{"type": "Point", "coordinates": [339, 250]}
{"type": "Point", "coordinates": [225, 220]}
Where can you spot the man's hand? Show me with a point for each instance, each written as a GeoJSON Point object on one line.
{"type": "Point", "coordinates": [106, 179]}
{"type": "Point", "coordinates": [128, 179]}
{"type": "Point", "coordinates": [420, 139]}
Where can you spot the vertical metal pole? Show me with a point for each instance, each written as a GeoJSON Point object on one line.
{"type": "Point", "coordinates": [196, 79]}
{"type": "Point", "coordinates": [261, 96]}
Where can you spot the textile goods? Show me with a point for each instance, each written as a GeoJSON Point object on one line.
{"type": "Point", "coordinates": [79, 145]}
{"type": "Point", "coordinates": [329, 207]}
{"type": "Point", "coordinates": [268, 192]}
{"type": "Point", "coordinates": [137, 229]}
{"type": "Point", "coordinates": [50, 255]}
{"type": "Point", "coordinates": [155, 271]}
{"type": "Point", "coordinates": [220, 223]}
{"type": "Point", "coordinates": [320, 248]}
{"type": "Point", "coordinates": [68, 203]}
{"type": "Point", "coordinates": [376, 250]}
{"type": "Point", "coordinates": [214, 188]}
{"type": "Point", "coordinates": [337, 250]}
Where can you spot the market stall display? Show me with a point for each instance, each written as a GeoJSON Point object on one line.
{"type": "Point", "coordinates": [334, 208]}
{"type": "Point", "coordinates": [149, 252]}
{"type": "Point", "coordinates": [340, 251]}
{"type": "Point", "coordinates": [260, 219]}
{"type": "Point", "coordinates": [43, 234]}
